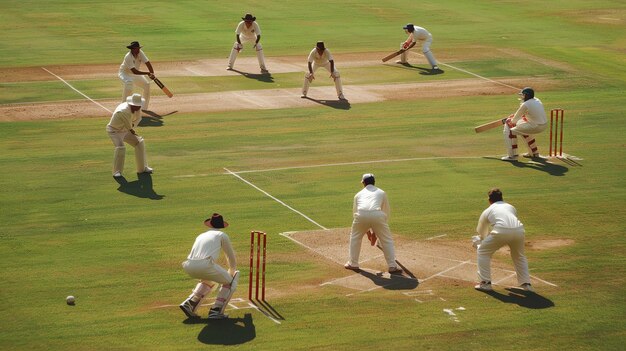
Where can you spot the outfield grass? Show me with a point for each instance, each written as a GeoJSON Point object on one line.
{"type": "Point", "coordinates": [66, 229]}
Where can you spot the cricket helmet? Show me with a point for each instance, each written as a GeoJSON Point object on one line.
{"type": "Point", "coordinates": [528, 93]}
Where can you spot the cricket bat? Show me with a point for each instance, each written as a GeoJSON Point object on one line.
{"type": "Point", "coordinates": [490, 125]}
{"type": "Point", "coordinates": [163, 87]}
{"type": "Point", "coordinates": [390, 56]}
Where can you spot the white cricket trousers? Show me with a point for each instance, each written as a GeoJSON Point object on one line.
{"type": "Point", "coordinates": [377, 220]}
{"type": "Point", "coordinates": [130, 80]}
{"type": "Point", "coordinates": [515, 241]}
{"type": "Point", "coordinates": [527, 131]}
{"type": "Point", "coordinates": [119, 137]}
{"type": "Point", "coordinates": [337, 79]}
{"type": "Point", "coordinates": [209, 274]}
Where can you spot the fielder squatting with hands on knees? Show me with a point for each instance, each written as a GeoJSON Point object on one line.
{"type": "Point", "coordinates": [498, 226]}
{"type": "Point", "coordinates": [131, 75]}
{"type": "Point", "coordinates": [320, 56]}
{"type": "Point", "coordinates": [201, 264]}
{"type": "Point", "coordinates": [248, 31]}
{"type": "Point", "coordinates": [121, 130]}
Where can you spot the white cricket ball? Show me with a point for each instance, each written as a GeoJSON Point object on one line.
{"type": "Point", "coordinates": [70, 300]}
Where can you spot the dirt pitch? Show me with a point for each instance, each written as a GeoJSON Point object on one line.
{"type": "Point", "coordinates": [254, 99]}
{"type": "Point", "coordinates": [433, 262]}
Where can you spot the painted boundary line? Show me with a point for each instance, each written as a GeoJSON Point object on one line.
{"type": "Point", "coordinates": [475, 75]}
{"type": "Point", "coordinates": [341, 164]}
{"type": "Point", "coordinates": [361, 163]}
{"type": "Point", "coordinates": [76, 90]}
{"type": "Point", "coordinates": [275, 199]}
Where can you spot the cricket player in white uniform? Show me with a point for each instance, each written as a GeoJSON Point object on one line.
{"type": "Point", "coordinates": [201, 264]}
{"type": "Point", "coordinates": [131, 75]}
{"type": "Point", "coordinates": [320, 56]}
{"type": "Point", "coordinates": [248, 31]}
{"type": "Point", "coordinates": [528, 120]}
{"type": "Point", "coordinates": [371, 210]}
{"type": "Point", "coordinates": [498, 226]}
{"type": "Point", "coordinates": [121, 129]}
{"type": "Point", "coordinates": [423, 36]}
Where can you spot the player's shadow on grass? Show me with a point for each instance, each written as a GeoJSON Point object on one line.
{"type": "Point", "coordinates": [423, 71]}
{"type": "Point", "coordinates": [153, 119]}
{"type": "Point", "coordinates": [539, 164]}
{"type": "Point", "coordinates": [142, 187]}
{"type": "Point", "coordinates": [338, 104]}
{"type": "Point", "coordinates": [522, 298]}
{"type": "Point", "coordinates": [261, 77]}
{"type": "Point", "coordinates": [393, 282]}
{"type": "Point", "coordinates": [231, 331]}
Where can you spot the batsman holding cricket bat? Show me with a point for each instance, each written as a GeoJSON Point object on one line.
{"type": "Point", "coordinates": [130, 74]}
{"type": "Point", "coordinates": [529, 119]}
{"type": "Point", "coordinates": [423, 36]}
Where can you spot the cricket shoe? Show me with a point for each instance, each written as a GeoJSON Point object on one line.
{"type": "Point", "coordinates": [352, 268]}
{"type": "Point", "coordinates": [264, 71]}
{"type": "Point", "coordinates": [341, 97]}
{"type": "Point", "coordinates": [189, 308]}
{"type": "Point", "coordinates": [436, 68]}
{"type": "Point", "coordinates": [483, 286]}
{"type": "Point", "coordinates": [229, 68]}
{"type": "Point", "coordinates": [147, 170]}
{"type": "Point", "coordinates": [509, 158]}
{"type": "Point", "coordinates": [214, 313]}
{"type": "Point", "coordinates": [402, 62]}
{"type": "Point", "coordinates": [527, 287]}
{"type": "Point", "coordinates": [117, 174]}
{"type": "Point", "coordinates": [395, 270]}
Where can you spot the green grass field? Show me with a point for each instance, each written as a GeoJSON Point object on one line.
{"type": "Point", "coordinates": [68, 230]}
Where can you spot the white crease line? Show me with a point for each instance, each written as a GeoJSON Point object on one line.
{"type": "Point", "coordinates": [479, 76]}
{"type": "Point", "coordinates": [264, 313]}
{"type": "Point", "coordinates": [275, 199]}
{"type": "Point", "coordinates": [444, 271]}
{"type": "Point", "coordinates": [286, 235]}
{"type": "Point", "coordinates": [437, 236]}
{"type": "Point", "coordinates": [76, 90]}
{"type": "Point", "coordinates": [544, 281]}
{"type": "Point", "coordinates": [505, 278]}
{"type": "Point", "coordinates": [358, 163]}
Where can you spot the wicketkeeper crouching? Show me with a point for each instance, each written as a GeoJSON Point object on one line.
{"type": "Point", "coordinates": [201, 264]}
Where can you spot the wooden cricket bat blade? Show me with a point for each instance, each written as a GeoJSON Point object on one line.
{"type": "Point", "coordinates": [163, 87]}
{"type": "Point", "coordinates": [490, 125]}
{"type": "Point", "coordinates": [390, 56]}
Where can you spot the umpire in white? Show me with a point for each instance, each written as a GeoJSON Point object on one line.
{"type": "Point", "coordinates": [371, 210]}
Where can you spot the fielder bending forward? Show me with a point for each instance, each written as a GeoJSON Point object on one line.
{"type": "Point", "coordinates": [418, 34]}
{"type": "Point", "coordinates": [529, 119]}
{"type": "Point", "coordinates": [201, 264]}
{"type": "Point", "coordinates": [121, 130]}
{"type": "Point", "coordinates": [371, 210]}
{"type": "Point", "coordinates": [498, 226]}
{"type": "Point", "coordinates": [320, 57]}
{"type": "Point", "coordinates": [130, 74]}
{"type": "Point", "coordinates": [248, 31]}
